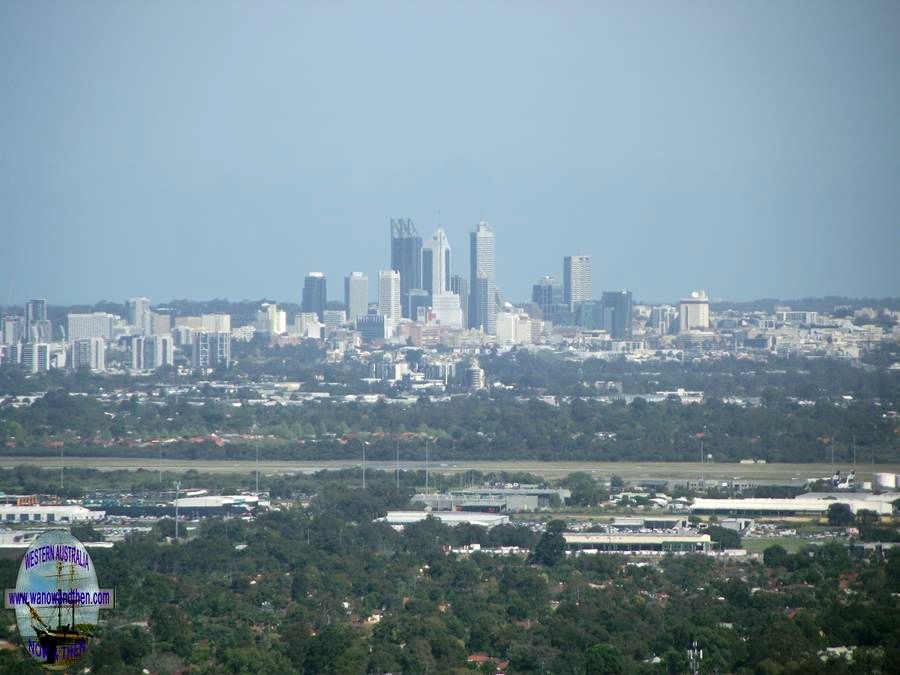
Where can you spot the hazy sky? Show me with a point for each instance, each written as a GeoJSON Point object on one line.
{"type": "Point", "coordinates": [216, 149]}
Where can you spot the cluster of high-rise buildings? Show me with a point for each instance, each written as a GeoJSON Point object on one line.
{"type": "Point", "coordinates": [145, 339]}
{"type": "Point", "coordinates": [420, 301]}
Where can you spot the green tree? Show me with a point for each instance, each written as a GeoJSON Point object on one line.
{"type": "Point", "coordinates": [551, 548]}
{"type": "Point", "coordinates": [604, 660]}
{"type": "Point", "coordinates": [840, 515]}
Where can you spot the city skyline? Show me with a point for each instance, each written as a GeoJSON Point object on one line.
{"type": "Point", "coordinates": [658, 139]}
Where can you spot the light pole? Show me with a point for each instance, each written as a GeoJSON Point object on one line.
{"type": "Point", "coordinates": [365, 444]}
{"type": "Point", "coordinates": [177, 488]}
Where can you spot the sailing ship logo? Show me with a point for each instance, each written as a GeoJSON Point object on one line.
{"type": "Point", "coordinates": [57, 599]}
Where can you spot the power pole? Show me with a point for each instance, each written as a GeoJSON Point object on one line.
{"type": "Point", "coordinates": [398, 464]}
{"type": "Point", "coordinates": [426, 465]}
{"type": "Point", "coordinates": [365, 443]}
{"type": "Point", "coordinates": [177, 488]}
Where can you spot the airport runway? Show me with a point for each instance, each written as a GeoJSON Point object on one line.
{"type": "Point", "coordinates": [627, 470]}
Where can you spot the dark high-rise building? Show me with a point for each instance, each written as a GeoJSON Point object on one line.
{"type": "Point", "coordinates": [314, 295]}
{"type": "Point", "coordinates": [460, 285]}
{"type": "Point", "coordinates": [546, 293]}
{"type": "Point", "coordinates": [406, 258]}
{"type": "Point", "coordinates": [589, 314]}
{"type": "Point", "coordinates": [616, 308]}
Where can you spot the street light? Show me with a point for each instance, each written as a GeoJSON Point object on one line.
{"type": "Point", "coordinates": [177, 488]}
{"type": "Point", "coordinates": [365, 445]}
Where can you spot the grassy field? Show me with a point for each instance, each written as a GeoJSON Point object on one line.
{"type": "Point", "coordinates": [675, 471]}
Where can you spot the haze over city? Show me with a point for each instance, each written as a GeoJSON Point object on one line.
{"type": "Point", "coordinates": [197, 151]}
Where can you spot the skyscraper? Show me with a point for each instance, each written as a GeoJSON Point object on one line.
{"type": "Point", "coordinates": [211, 350]}
{"type": "Point", "coordinates": [483, 282]}
{"type": "Point", "coordinates": [37, 326]}
{"type": "Point", "coordinates": [356, 295]}
{"type": "Point", "coordinates": [577, 285]}
{"type": "Point", "coordinates": [460, 285]}
{"type": "Point", "coordinates": [436, 263]}
{"type": "Point", "coordinates": [616, 308]}
{"type": "Point", "coordinates": [548, 295]}
{"type": "Point", "coordinates": [139, 316]}
{"type": "Point", "coordinates": [693, 312]}
{"type": "Point", "coordinates": [406, 256]}
{"type": "Point", "coordinates": [389, 296]}
{"type": "Point", "coordinates": [90, 353]}
{"type": "Point", "coordinates": [98, 324]}
{"type": "Point", "coordinates": [314, 294]}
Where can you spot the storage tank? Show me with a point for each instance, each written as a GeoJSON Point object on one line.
{"type": "Point", "coordinates": [885, 481]}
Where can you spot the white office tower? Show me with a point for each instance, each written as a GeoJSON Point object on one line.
{"type": "Point", "coordinates": [13, 329]}
{"type": "Point", "coordinates": [158, 352]}
{"type": "Point", "coordinates": [577, 282]}
{"type": "Point", "coordinates": [211, 350]}
{"type": "Point", "coordinates": [693, 313]}
{"type": "Point", "coordinates": [89, 353]}
{"type": "Point", "coordinates": [356, 295]}
{"type": "Point", "coordinates": [139, 315]}
{"type": "Point", "coordinates": [307, 325]}
{"type": "Point", "coordinates": [513, 327]}
{"type": "Point", "coordinates": [436, 263]}
{"type": "Point", "coordinates": [36, 357]}
{"type": "Point", "coordinates": [389, 297]}
{"type": "Point", "coordinates": [662, 319]}
{"type": "Point", "coordinates": [483, 288]}
{"type": "Point", "coordinates": [270, 319]}
{"type": "Point", "coordinates": [98, 324]}
{"type": "Point", "coordinates": [215, 323]}
{"type": "Point", "coordinates": [446, 310]}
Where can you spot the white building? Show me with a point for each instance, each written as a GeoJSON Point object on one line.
{"type": "Point", "coordinates": [389, 296]}
{"type": "Point", "coordinates": [12, 513]}
{"type": "Point", "coordinates": [215, 323]}
{"type": "Point", "coordinates": [356, 295]}
{"type": "Point", "coordinates": [270, 319]}
{"type": "Point", "coordinates": [693, 312]}
{"type": "Point", "coordinates": [513, 327]}
{"type": "Point", "coordinates": [97, 324]}
{"type": "Point", "coordinates": [436, 263]}
{"type": "Point", "coordinates": [446, 309]}
{"type": "Point", "coordinates": [307, 325]}
{"type": "Point", "coordinates": [577, 281]}
{"type": "Point", "coordinates": [90, 353]}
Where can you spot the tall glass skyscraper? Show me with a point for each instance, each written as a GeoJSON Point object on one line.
{"type": "Point", "coordinates": [616, 308]}
{"type": "Point", "coordinates": [436, 263]}
{"type": "Point", "coordinates": [406, 257]}
{"type": "Point", "coordinates": [314, 295]}
{"type": "Point", "coordinates": [483, 282]}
